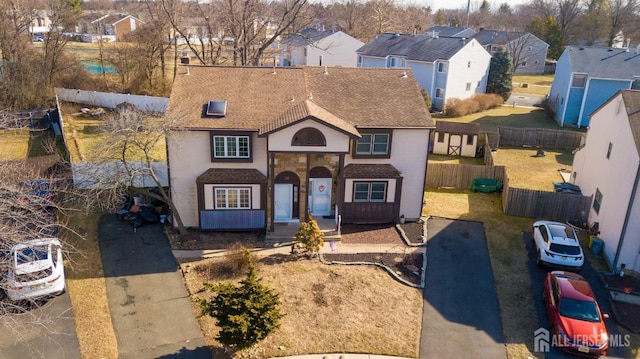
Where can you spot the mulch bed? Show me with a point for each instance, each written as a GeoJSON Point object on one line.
{"type": "Point", "coordinates": [627, 314]}
{"type": "Point", "coordinates": [405, 266]}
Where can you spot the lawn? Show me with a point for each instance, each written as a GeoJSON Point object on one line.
{"type": "Point", "coordinates": [525, 170]}
{"type": "Point", "coordinates": [455, 160]}
{"type": "Point", "coordinates": [521, 117]}
{"type": "Point", "coordinates": [327, 309]}
{"type": "Point", "coordinates": [532, 84]}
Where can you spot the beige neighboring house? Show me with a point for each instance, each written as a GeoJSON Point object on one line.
{"type": "Point", "coordinates": [607, 167]}
{"type": "Point", "coordinates": [455, 139]}
{"type": "Point", "coordinates": [107, 27]}
{"type": "Point", "coordinates": [256, 147]}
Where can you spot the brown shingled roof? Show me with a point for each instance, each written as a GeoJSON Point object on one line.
{"type": "Point", "coordinates": [632, 104]}
{"type": "Point", "coordinates": [458, 128]}
{"type": "Point", "coordinates": [305, 110]}
{"type": "Point", "coordinates": [231, 175]}
{"type": "Point", "coordinates": [257, 96]}
{"type": "Point", "coordinates": [371, 171]}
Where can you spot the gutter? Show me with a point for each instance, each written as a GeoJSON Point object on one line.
{"type": "Point", "coordinates": [626, 218]}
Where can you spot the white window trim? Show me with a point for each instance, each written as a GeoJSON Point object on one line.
{"type": "Point", "coordinates": [371, 144]}
{"type": "Point", "coordinates": [441, 90]}
{"type": "Point", "coordinates": [444, 66]}
{"type": "Point", "coordinates": [369, 185]}
{"type": "Point", "coordinates": [226, 149]}
{"type": "Point", "coordinates": [226, 196]}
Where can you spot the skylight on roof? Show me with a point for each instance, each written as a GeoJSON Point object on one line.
{"type": "Point", "coordinates": [217, 108]}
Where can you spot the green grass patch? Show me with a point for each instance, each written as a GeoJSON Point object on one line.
{"type": "Point", "coordinates": [539, 80]}
{"type": "Point", "coordinates": [521, 117]}
{"type": "Point", "coordinates": [525, 170]}
{"type": "Point", "coordinates": [15, 144]}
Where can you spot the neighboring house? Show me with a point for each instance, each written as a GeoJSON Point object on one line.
{"type": "Point", "coordinates": [312, 47]}
{"type": "Point", "coordinates": [586, 77]}
{"type": "Point", "coordinates": [40, 22]}
{"type": "Point", "coordinates": [525, 49]}
{"type": "Point", "coordinates": [446, 67]}
{"type": "Point", "coordinates": [607, 167]}
{"type": "Point", "coordinates": [96, 27]}
{"type": "Point", "coordinates": [258, 146]}
{"type": "Point", "coordinates": [450, 31]}
{"type": "Point", "coordinates": [455, 139]}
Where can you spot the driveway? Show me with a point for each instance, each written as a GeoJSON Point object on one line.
{"type": "Point", "coordinates": [538, 276]}
{"type": "Point", "coordinates": [150, 307]}
{"type": "Point", "coordinates": [47, 331]}
{"type": "Point", "coordinates": [461, 316]}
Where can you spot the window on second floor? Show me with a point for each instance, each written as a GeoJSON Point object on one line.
{"type": "Point", "coordinates": [609, 150]}
{"type": "Point", "coordinates": [597, 201]}
{"type": "Point", "coordinates": [635, 85]}
{"type": "Point", "coordinates": [308, 136]}
{"type": "Point", "coordinates": [439, 93]}
{"type": "Point", "coordinates": [442, 67]}
{"type": "Point", "coordinates": [373, 144]}
{"type": "Point", "coordinates": [392, 62]}
{"type": "Point", "coordinates": [469, 64]}
{"type": "Point", "coordinates": [468, 88]}
{"type": "Point", "coordinates": [231, 147]}
{"type": "Point", "coordinates": [359, 60]}
{"type": "Point", "coordinates": [579, 80]}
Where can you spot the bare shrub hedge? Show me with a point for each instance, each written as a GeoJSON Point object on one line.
{"type": "Point", "coordinates": [480, 102]}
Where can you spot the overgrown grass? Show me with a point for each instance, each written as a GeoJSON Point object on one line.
{"type": "Point", "coordinates": [87, 289]}
{"type": "Point", "coordinates": [15, 144]}
{"type": "Point", "coordinates": [520, 117]}
{"type": "Point", "coordinates": [525, 170]}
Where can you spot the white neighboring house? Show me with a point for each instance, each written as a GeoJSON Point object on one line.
{"type": "Point", "coordinates": [607, 167]}
{"type": "Point", "coordinates": [312, 47]}
{"type": "Point", "coordinates": [446, 67]}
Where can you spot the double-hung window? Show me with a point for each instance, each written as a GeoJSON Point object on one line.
{"type": "Point", "coordinates": [597, 201]}
{"type": "Point", "coordinates": [369, 191]}
{"type": "Point", "coordinates": [233, 198]}
{"type": "Point", "coordinates": [376, 144]}
{"type": "Point", "coordinates": [230, 146]}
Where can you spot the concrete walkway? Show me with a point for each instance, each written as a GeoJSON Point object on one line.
{"type": "Point", "coordinates": [150, 308]}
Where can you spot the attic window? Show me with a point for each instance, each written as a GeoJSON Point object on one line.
{"type": "Point", "coordinates": [217, 108]}
{"type": "Point", "coordinates": [309, 136]}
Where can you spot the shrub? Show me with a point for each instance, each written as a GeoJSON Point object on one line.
{"type": "Point", "coordinates": [427, 98]}
{"type": "Point", "coordinates": [480, 102]}
{"type": "Point", "coordinates": [310, 237]}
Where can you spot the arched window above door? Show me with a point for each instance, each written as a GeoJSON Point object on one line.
{"type": "Point", "coordinates": [308, 136]}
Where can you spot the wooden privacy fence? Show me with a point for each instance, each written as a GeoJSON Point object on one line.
{"type": "Point", "coordinates": [539, 137]}
{"type": "Point", "coordinates": [460, 176]}
{"type": "Point", "coordinates": [561, 207]}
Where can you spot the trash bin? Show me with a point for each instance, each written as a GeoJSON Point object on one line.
{"type": "Point", "coordinates": [596, 245]}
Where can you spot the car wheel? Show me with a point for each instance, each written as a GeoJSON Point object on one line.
{"type": "Point", "coordinates": [539, 260]}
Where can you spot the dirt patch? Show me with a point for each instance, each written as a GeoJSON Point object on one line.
{"type": "Point", "coordinates": [196, 239]}
{"type": "Point", "coordinates": [407, 267]}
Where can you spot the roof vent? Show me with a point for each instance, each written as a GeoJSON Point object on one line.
{"type": "Point", "coordinates": [217, 108]}
{"type": "Point", "coordinates": [326, 71]}
{"type": "Point", "coordinates": [404, 75]}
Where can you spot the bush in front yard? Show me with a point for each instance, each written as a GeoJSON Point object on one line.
{"type": "Point", "coordinates": [480, 102]}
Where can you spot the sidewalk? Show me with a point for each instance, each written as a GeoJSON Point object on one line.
{"type": "Point", "coordinates": [341, 248]}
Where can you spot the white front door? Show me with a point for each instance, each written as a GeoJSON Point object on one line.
{"type": "Point", "coordinates": [320, 201]}
{"type": "Point", "coordinates": [283, 201]}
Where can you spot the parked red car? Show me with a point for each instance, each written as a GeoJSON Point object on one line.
{"type": "Point", "coordinates": [576, 321]}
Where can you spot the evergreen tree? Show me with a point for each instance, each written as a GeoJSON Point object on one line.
{"type": "Point", "coordinates": [500, 75]}
{"type": "Point", "coordinates": [310, 237]}
{"type": "Point", "coordinates": [245, 314]}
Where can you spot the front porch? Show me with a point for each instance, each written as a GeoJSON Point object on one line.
{"type": "Point", "coordinates": [286, 231]}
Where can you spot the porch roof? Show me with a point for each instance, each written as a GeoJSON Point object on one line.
{"type": "Point", "coordinates": [231, 175]}
{"type": "Point", "coordinates": [371, 171]}
{"type": "Point", "coordinates": [305, 110]}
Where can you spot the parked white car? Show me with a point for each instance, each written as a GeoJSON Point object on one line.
{"type": "Point", "coordinates": [557, 245]}
{"type": "Point", "coordinates": [35, 269]}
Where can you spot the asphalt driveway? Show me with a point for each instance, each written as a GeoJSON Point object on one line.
{"type": "Point", "coordinates": [46, 331]}
{"type": "Point", "coordinates": [461, 316]}
{"type": "Point", "coordinates": [150, 307]}
{"type": "Point", "coordinates": [538, 276]}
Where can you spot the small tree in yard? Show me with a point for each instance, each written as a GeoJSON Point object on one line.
{"type": "Point", "coordinates": [245, 314]}
{"type": "Point", "coordinates": [500, 75]}
{"type": "Point", "coordinates": [309, 237]}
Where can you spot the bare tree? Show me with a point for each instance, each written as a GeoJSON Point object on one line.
{"type": "Point", "coordinates": [621, 14]}
{"type": "Point", "coordinates": [565, 12]}
{"type": "Point", "coordinates": [521, 48]}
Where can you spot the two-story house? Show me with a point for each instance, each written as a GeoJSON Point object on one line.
{"type": "Point", "coordinates": [586, 77]}
{"type": "Point", "coordinates": [607, 167]}
{"type": "Point", "coordinates": [97, 27]}
{"type": "Point", "coordinates": [527, 52]}
{"type": "Point", "coordinates": [446, 67]}
{"type": "Point", "coordinates": [313, 47]}
{"type": "Point", "coordinates": [255, 147]}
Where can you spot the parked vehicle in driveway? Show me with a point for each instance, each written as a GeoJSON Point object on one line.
{"type": "Point", "coordinates": [35, 269]}
{"type": "Point", "coordinates": [577, 325]}
{"type": "Point", "coordinates": [557, 245]}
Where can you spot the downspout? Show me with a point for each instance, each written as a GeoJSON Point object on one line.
{"type": "Point", "coordinates": [584, 99]}
{"type": "Point", "coordinates": [626, 219]}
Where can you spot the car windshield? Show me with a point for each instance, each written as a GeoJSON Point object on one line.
{"type": "Point", "coordinates": [579, 309]}
{"type": "Point", "coordinates": [564, 249]}
{"type": "Point", "coordinates": [32, 254]}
